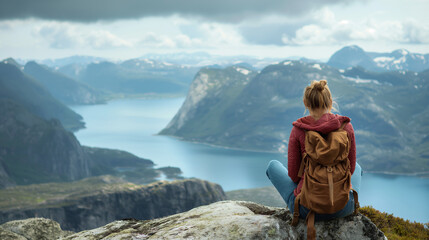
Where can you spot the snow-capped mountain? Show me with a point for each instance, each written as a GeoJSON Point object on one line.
{"type": "Point", "coordinates": [401, 59]}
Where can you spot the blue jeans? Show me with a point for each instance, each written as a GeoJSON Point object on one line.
{"type": "Point", "coordinates": [278, 175]}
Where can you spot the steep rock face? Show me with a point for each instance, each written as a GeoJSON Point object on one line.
{"type": "Point", "coordinates": [232, 220]}
{"type": "Point", "coordinates": [146, 202]}
{"type": "Point", "coordinates": [34, 150]}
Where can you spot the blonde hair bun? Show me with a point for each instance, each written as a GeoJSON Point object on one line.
{"type": "Point", "coordinates": [318, 95]}
{"type": "Point", "coordinates": [319, 85]}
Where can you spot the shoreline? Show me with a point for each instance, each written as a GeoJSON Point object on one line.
{"type": "Point", "coordinates": [217, 146]}
{"type": "Point", "coordinates": [415, 174]}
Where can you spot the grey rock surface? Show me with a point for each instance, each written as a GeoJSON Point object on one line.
{"type": "Point", "coordinates": [232, 220]}
{"type": "Point", "coordinates": [32, 229]}
{"type": "Point", "coordinates": [8, 235]}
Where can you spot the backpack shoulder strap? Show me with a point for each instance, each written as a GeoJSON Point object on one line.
{"type": "Point", "coordinates": [343, 125]}
{"type": "Point", "coordinates": [302, 165]}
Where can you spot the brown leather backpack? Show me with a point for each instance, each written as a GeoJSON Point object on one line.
{"type": "Point", "coordinates": [327, 179]}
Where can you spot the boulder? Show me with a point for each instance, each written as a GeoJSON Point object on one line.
{"type": "Point", "coordinates": [232, 220]}
{"type": "Point", "coordinates": [32, 228]}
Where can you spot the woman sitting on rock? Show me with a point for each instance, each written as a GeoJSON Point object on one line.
{"type": "Point", "coordinates": [322, 150]}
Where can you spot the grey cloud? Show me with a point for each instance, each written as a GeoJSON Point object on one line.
{"type": "Point", "coordinates": [62, 36]}
{"type": "Point", "coordinates": [95, 10]}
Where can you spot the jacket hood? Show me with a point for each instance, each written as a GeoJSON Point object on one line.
{"type": "Point", "coordinates": [327, 123]}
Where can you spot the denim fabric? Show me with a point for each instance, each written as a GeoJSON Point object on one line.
{"type": "Point", "coordinates": [278, 175]}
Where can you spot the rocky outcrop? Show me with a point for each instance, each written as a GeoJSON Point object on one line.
{"type": "Point", "coordinates": [140, 202]}
{"type": "Point", "coordinates": [33, 228]}
{"type": "Point", "coordinates": [231, 220]}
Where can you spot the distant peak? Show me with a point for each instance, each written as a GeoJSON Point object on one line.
{"type": "Point", "coordinates": [353, 48]}
{"type": "Point", "coordinates": [13, 62]}
{"type": "Point", "coordinates": [32, 63]}
{"type": "Point", "coordinates": [8, 59]}
{"type": "Point", "coordinates": [35, 65]}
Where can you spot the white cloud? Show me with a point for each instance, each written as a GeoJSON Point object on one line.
{"type": "Point", "coordinates": [5, 25]}
{"type": "Point", "coordinates": [65, 35]}
{"type": "Point", "coordinates": [328, 30]}
{"type": "Point", "coordinates": [204, 35]}
{"type": "Point", "coordinates": [221, 33]}
{"type": "Point", "coordinates": [325, 17]}
{"type": "Point", "coordinates": [105, 39]}
{"type": "Point", "coordinates": [184, 41]}
{"type": "Point", "coordinates": [154, 40]}
{"type": "Point", "coordinates": [310, 35]}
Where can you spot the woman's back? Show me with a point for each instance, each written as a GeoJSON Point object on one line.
{"type": "Point", "coordinates": [300, 180]}
{"type": "Point", "coordinates": [327, 123]}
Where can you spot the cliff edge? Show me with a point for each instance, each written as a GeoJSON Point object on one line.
{"type": "Point", "coordinates": [101, 206]}
{"type": "Point", "coordinates": [224, 220]}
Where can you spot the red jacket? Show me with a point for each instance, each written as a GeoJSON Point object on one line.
{"type": "Point", "coordinates": [327, 123]}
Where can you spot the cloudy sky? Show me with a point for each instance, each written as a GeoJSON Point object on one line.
{"type": "Point", "coordinates": [123, 29]}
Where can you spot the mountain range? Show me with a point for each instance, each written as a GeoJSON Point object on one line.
{"type": "Point", "coordinates": [62, 87]}
{"type": "Point", "coordinates": [203, 59]}
{"type": "Point", "coordinates": [93, 80]}
{"type": "Point", "coordinates": [30, 94]}
{"type": "Point", "coordinates": [36, 148]}
{"type": "Point", "coordinates": [239, 108]}
{"type": "Point", "coordinates": [349, 56]}
{"type": "Point", "coordinates": [136, 76]}
{"type": "Point", "coordinates": [77, 59]}
{"type": "Point", "coordinates": [401, 59]}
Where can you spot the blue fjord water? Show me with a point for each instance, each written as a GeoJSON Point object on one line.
{"type": "Point", "coordinates": [132, 125]}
